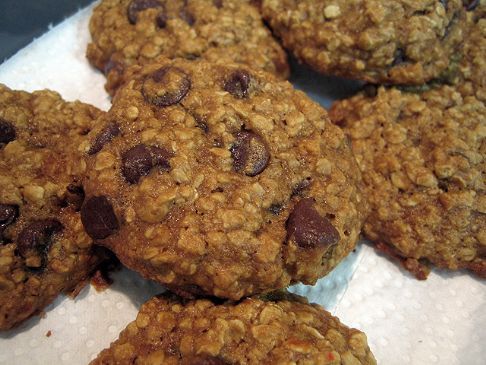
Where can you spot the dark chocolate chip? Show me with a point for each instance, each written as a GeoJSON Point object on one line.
{"type": "Point", "coordinates": [7, 132]}
{"type": "Point", "coordinates": [187, 16]}
{"type": "Point", "coordinates": [161, 19]}
{"type": "Point", "coordinates": [250, 153]}
{"type": "Point", "coordinates": [112, 65]}
{"type": "Point", "coordinates": [106, 135]}
{"type": "Point", "coordinates": [370, 90]}
{"type": "Point", "coordinates": [37, 236]}
{"type": "Point", "coordinates": [237, 84]}
{"type": "Point", "coordinates": [8, 215]}
{"type": "Point", "coordinates": [218, 3]}
{"type": "Point", "coordinates": [470, 4]}
{"type": "Point", "coordinates": [166, 86]}
{"type": "Point", "coordinates": [275, 208]}
{"type": "Point", "coordinates": [399, 57]}
{"type": "Point", "coordinates": [99, 218]}
{"type": "Point", "coordinates": [137, 6]}
{"type": "Point", "coordinates": [74, 196]}
{"type": "Point", "coordinates": [139, 160]}
{"type": "Point", "coordinates": [308, 228]}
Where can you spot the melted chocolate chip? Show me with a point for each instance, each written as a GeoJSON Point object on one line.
{"type": "Point", "coordinates": [166, 86]}
{"type": "Point", "coordinates": [106, 135]}
{"type": "Point", "coordinates": [7, 132]}
{"type": "Point", "coordinates": [36, 237]}
{"type": "Point", "coordinates": [308, 228]}
{"type": "Point", "coordinates": [399, 57]}
{"type": "Point", "coordinates": [137, 6]}
{"type": "Point", "coordinates": [139, 160]}
{"type": "Point", "coordinates": [218, 3]}
{"type": "Point", "coordinates": [470, 4]}
{"type": "Point", "coordinates": [237, 84]}
{"type": "Point", "coordinates": [8, 214]}
{"type": "Point", "coordinates": [161, 19]}
{"type": "Point", "coordinates": [250, 153]}
{"type": "Point", "coordinates": [99, 218]}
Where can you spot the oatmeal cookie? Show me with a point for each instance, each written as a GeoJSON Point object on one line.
{"type": "Point", "coordinates": [127, 32]}
{"type": "Point", "coordinates": [255, 331]}
{"type": "Point", "coordinates": [472, 80]}
{"type": "Point", "coordinates": [218, 179]}
{"type": "Point", "coordinates": [423, 160]}
{"type": "Point", "coordinates": [395, 41]}
{"type": "Point", "coordinates": [43, 248]}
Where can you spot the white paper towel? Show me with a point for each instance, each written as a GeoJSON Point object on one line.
{"type": "Point", "coordinates": [439, 321]}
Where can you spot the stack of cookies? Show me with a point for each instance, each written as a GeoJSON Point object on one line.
{"type": "Point", "coordinates": [212, 175]}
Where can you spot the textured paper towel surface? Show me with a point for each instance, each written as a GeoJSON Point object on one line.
{"type": "Point", "coordinates": [440, 321]}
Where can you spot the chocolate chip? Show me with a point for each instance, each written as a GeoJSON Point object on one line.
{"type": "Point", "coordinates": [74, 196]}
{"type": "Point", "coordinates": [106, 135]}
{"type": "Point", "coordinates": [166, 86]}
{"type": "Point", "coordinates": [308, 228]}
{"type": "Point", "coordinates": [218, 3]}
{"type": "Point", "coordinates": [7, 132]}
{"type": "Point", "coordinates": [399, 57]}
{"type": "Point", "coordinates": [98, 217]}
{"type": "Point", "coordinates": [139, 160]}
{"type": "Point", "coordinates": [237, 84]}
{"type": "Point", "coordinates": [137, 6]}
{"type": "Point", "coordinates": [275, 208]}
{"type": "Point", "coordinates": [370, 90]}
{"type": "Point", "coordinates": [36, 237]}
{"type": "Point", "coordinates": [470, 4]}
{"type": "Point", "coordinates": [444, 3]}
{"type": "Point", "coordinates": [187, 16]}
{"type": "Point", "coordinates": [161, 19]}
{"type": "Point", "coordinates": [8, 215]}
{"type": "Point", "coordinates": [250, 153]}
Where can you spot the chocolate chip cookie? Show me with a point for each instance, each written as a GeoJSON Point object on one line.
{"type": "Point", "coordinates": [126, 32]}
{"type": "Point", "coordinates": [218, 179]}
{"type": "Point", "coordinates": [255, 331]}
{"type": "Point", "coordinates": [397, 41]}
{"type": "Point", "coordinates": [423, 159]}
{"type": "Point", "coordinates": [43, 248]}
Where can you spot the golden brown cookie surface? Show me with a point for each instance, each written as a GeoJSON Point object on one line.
{"type": "Point", "coordinates": [254, 331]}
{"type": "Point", "coordinates": [398, 41]}
{"type": "Point", "coordinates": [43, 248]}
{"type": "Point", "coordinates": [126, 32]}
{"type": "Point", "coordinates": [221, 180]}
{"type": "Point", "coordinates": [423, 159]}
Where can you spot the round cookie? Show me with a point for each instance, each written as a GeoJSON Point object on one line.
{"type": "Point", "coordinates": [43, 248]}
{"type": "Point", "coordinates": [396, 42]}
{"type": "Point", "coordinates": [255, 331]}
{"type": "Point", "coordinates": [127, 32]}
{"type": "Point", "coordinates": [218, 179]}
{"type": "Point", "coordinates": [423, 160]}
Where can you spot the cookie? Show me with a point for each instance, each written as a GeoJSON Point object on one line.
{"type": "Point", "coordinates": [255, 331]}
{"type": "Point", "coordinates": [423, 160]}
{"type": "Point", "coordinates": [43, 248]}
{"type": "Point", "coordinates": [396, 42]}
{"type": "Point", "coordinates": [126, 32]}
{"type": "Point", "coordinates": [472, 80]}
{"type": "Point", "coordinates": [220, 180]}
